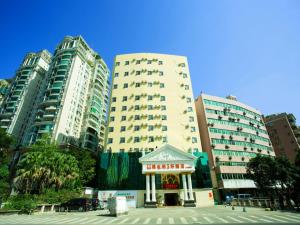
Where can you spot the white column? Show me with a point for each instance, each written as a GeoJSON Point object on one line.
{"type": "Point", "coordinates": [147, 188]}
{"type": "Point", "coordinates": [153, 188]}
{"type": "Point", "coordinates": [190, 187]}
{"type": "Point", "coordinates": [184, 188]}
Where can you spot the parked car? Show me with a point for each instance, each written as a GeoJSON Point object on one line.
{"type": "Point", "coordinates": [80, 204]}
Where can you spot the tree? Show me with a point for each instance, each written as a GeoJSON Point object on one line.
{"type": "Point", "coordinates": [86, 165]}
{"type": "Point", "coordinates": [260, 169]}
{"type": "Point", "coordinates": [5, 142]}
{"type": "Point", "coordinates": [46, 166]}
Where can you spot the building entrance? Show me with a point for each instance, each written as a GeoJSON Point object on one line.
{"type": "Point", "coordinates": [172, 199]}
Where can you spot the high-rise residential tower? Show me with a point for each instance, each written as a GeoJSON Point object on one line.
{"type": "Point", "coordinates": [152, 104]}
{"type": "Point", "coordinates": [4, 88]}
{"type": "Point", "coordinates": [231, 133]}
{"type": "Point", "coordinates": [284, 134]}
{"type": "Point", "coordinates": [74, 103]}
{"type": "Point", "coordinates": [17, 106]}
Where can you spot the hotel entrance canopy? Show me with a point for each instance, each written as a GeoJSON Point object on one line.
{"type": "Point", "coordinates": [168, 160]}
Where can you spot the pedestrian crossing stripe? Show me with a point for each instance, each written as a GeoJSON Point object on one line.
{"type": "Point", "coordinates": [171, 220]}
{"type": "Point", "coordinates": [234, 219]}
{"type": "Point", "coordinates": [273, 218]}
{"type": "Point", "coordinates": [283, 217]}
{"type": "Point", "coordinates": [259, 218]}
{"type": "Point", "coordinates": [159, 221]}
{"type": "Point", "coordinates": [207, 219]}
{"type": "Point", "coordinates": [246, 218]}
{"type": "Point", "coordinates": [183, 220]}
{"type": "Point", "coordinates": [147, 221]}
{"type": "Point", "coordinates": [135, 221]}
{"type": "Point", "coordinates": [223, 220]}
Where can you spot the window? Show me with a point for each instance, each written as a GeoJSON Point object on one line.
{"type": "Point", "coordinates": [137, 107]}
{"type": "Point", "coordinates": [150, 107]}
{"type": "Point", "coordinates": [184, 75]}
{"type": "Point", "coordinates": [126, 74]}
{"type": "Point", "coordinates": [160, 62]}
{"type": "Point", "coordinates": [122, 140]}
{"type": "Point", "coordinates": [124, 98]}
{"type": "Point", "coordinates": [188, 100]}
{"type": "Point", "coordinates": [137, 84]}
{"type": "Point", "coordinates": [125, 85]}
{"type": "Point", "coordinates": [123, 118]}
{"type": "Point", "coordinates": [110, 140]}
{"type": "Point", "coordinates": [149, 62]}
{"type": "Point", "coordinates": [149, 84]}
{"type": "Point", "coordinates": [149, 72]}
{"type": "Point", "coordinates": [193, 129]}
{"type": "Point", "coordinates": [165, 140]}
{"type": "Point", "coordinates": [194, 140]}
{"type": "Point", "coordinates": [138, 73]}
{"type": "Point", "coordinates": [110, 129]}
{"type": "Point", "coordinates": [161, 85]}
{"type": "Point", "coordinates": [164, 128]}
{"type": "Point", "coordinates": [150, 97]}
{"type": "Point", "coordinates": [136, 117]}
{"type": "Point", "coordinates": [161, 73]}
{"type": "Point", "coordinates": [136, 128]}
{"type": "Point", "coordinates": [164, 117]}
{"type": "Point", "coordinates": [151, 139]}
{"type": "Point", "coordinates": [137, 97]}
{"type": "Point", "coordinates": [186, 87]}
{"type": "Point", "coordinates": [150, 117]}
{"type": "Point", "coordinates": [115, 86]}
{"type": "Point", "coordinates": [114, 99]}
{"type": "Point", "coordinates": [190, 109]}
{"type": "Point", "coordinates": [136, 139]}
{"type": "Point", "coordinates": [163, 107]}
{"type": "Point", "coordinates": [191, 119]}
{"type": "Point", "coordinates": [162, 98]}
{"type": "Point", "coordinates": [113, 109]}
{"type": "Point", "coordinates": [117, 63]}
{"type": "Point", "coordinates": [138, 61]}
{"type": "Point", "coordinates": [126, 63]}
{"type": "Point", "coordinates": [124, 108]}
{"type": "Point", "coordinates": [150, 128]}
{"type": "Point", "coordinates": [123, 128]}
{"type": "Point", "coordinates": [112, 118]}
{"type": "Point", "coordinates": [116, 74]}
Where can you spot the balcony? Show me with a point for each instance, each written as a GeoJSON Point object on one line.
{"type": "Point", "coordinates": [50, 108]}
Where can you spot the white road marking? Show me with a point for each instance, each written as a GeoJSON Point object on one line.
{"type": "Point", "coordinates": [272, 218]}
{"type": "Point", "coordinates": [147, 221]}
{"type": "Point", "coordinates": [135, 221]}
{"type": "Point", "coordinates": [183, 220]}
{"type": "Point", "coordinates": [194, 219]}
{"type": "Point", "coordinates": [171, 220]}
{"type": "Point", "coordinates": [93, 220]}
{"type": "Point", "coordinates": [223, 220]}
{"type": "Point", "coordinates": [158, 221]}
{"type": "Point", "coordinates": [207, 219]}
{"type": "Point", "coordinates": [124, 220]}
{"type": "Point", "coordinates": [287, 218]}
{"type": "Point", "coordinates": [111, 221]}
{"type": "Point", "coordinates": [294, 216]}
{"type": "Point", "coordinates": [234, 219]}
{"type": "Point", "coordinates": [256, 217]}
{"type": "Point", "coordinates": [100, 221]}
{"type": "Point", "coordinates": [74, 220]}
{"type": "Point", "coordinates": [246, 218]}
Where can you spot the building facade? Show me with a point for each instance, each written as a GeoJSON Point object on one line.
{"type": "Point", "coordinates": [17, 106]}
{"type": "Point", "coordinates": [231, 133]}
{"type": "Point", "coordinates": [4, 88]}
{"type": "Point", "coordinates": [152, 114]}
{"type": "Point", "coordinates": [284, 134]}
{"type": "Point", "coordinates": [73, 105]}
{"type": "Point", "coordinates": [151, 104]}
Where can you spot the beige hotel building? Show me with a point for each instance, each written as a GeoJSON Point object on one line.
{"type": "Point", "coordinates": [152, 111]}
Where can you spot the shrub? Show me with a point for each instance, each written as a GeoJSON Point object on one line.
{"type": "Point", "coordinates": [25, 203]}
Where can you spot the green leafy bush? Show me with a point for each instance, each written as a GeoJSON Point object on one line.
{"type": "Point", "coordinates": [55, 197]}
{"type": "Point", "coordinates": [25, 203]}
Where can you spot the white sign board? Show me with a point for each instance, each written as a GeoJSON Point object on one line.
{"type": "Point", "coordinates": [131, 196]}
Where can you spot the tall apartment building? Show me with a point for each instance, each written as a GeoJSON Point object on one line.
{"type": "Point", "coordinates": [4, 88]}
{"type": "Point", "coordinates": [73, 105]}
{"type": "Point", "coordinates": [23, 93]}
{"type": "Point", "coordinates": [284, 134]}
{"type": "Point", "coordinates": [152, 104]}
{"type": "Point", "coordinates": [231, 133]}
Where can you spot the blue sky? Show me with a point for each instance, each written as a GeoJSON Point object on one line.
{"type": "Point", "coordinates": [250, 49]}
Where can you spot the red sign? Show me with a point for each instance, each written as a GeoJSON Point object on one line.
{"type": "Point", "coordinates": [166, 166]}
{"type": "Point", "coordinates": [170, 186]}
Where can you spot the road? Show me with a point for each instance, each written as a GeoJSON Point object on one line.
{"type": "Point", "coordinates": [214, 215]}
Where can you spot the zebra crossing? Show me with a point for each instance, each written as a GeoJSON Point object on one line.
{"type": "Point", "coordinates": [204, 219]}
